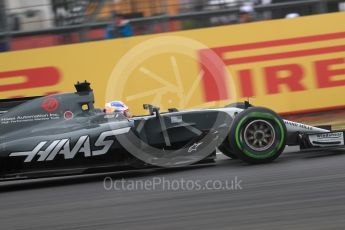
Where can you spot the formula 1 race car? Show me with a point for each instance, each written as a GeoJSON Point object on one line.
{"type": "Point", "coordinates": [64, 134]}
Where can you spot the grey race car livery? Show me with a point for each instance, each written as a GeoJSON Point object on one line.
{"type": "Point", "coordinates": [64, 134]}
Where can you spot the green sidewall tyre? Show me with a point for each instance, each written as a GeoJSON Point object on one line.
{"type": "Point", "coordinates": [245, 152]}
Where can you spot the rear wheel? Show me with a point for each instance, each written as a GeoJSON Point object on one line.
{"type": "Point", "coordinates": [257, 135]}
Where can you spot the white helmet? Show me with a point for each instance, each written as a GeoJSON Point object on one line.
{"type": "Point", "coordinates": [117, 107]}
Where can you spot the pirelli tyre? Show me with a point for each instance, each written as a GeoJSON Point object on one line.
{"type": "Point", "coordinates": [226, 149]}
{"type": "Point", "coordinates": [257, 135]}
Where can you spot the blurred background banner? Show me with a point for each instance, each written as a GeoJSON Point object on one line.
{"type": "Point", "coordinates": [40, 23]}
{"type": "Point", "coordinates": [289, 65]}
{"type": "Point", "coordinates": [294, 65]}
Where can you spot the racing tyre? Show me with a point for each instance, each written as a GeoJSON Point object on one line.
{"type": "Point", "coordinates": [257, 135]}
{"type": "Point", "coordinates": [226, 149]}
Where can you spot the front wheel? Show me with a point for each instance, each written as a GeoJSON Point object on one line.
{"type": "Point", "coordinates": [257, 135]}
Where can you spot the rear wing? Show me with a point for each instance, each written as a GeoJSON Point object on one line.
{"type": "Point", "coordinates": [7, 104]}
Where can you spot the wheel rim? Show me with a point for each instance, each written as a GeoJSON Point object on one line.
{"type": "Point", "coordinates": [259, 135]}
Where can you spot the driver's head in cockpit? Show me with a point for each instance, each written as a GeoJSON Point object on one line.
{"type": "Point", "coordinates": [117, 107]}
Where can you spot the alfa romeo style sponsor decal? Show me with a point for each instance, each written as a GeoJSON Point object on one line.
{"type": "Point", "coordinates": [68, 115]}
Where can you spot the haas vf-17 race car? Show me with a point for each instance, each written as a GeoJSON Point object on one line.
{"type": "Point", "coordinates": [64, 134]}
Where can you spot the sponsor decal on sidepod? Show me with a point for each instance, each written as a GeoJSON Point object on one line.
{"type": "Point", "coordinates": [63, 147]}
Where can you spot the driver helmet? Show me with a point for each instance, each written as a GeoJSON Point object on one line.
{"type": "Point", "coordinates": [117, 107]}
